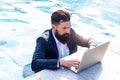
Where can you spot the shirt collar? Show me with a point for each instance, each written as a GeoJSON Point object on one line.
{"type": "Point", "coordinates": [56, 40]}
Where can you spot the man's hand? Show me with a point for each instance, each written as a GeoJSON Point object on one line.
{"type": "Point", "coordinates": [91, 47]}
{"type": "Point", "coordinates": [69, 63]}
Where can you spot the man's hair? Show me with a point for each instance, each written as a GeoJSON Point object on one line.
{"type": "Point", "coordinates": [60, 16]}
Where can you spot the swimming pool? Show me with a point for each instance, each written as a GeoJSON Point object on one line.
{"type": "Point", "coordinates": [22, 21]}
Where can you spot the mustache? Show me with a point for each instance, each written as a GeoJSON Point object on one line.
{"type": "Point", "coordinates": [64, 38]}
{"type": "Point", "coordinates": [66, 34]}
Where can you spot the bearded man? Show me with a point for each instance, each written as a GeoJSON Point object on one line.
{"type": "Point", "coordinates": [56, 43]}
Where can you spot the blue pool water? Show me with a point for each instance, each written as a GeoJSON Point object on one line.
{"type": "Point", "coordinates": [22, 21]}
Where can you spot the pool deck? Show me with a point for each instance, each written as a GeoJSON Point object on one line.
{"type": "Point", "coordinates": [108, 69]}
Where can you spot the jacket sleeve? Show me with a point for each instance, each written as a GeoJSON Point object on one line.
{"type": "Point", "coordinates": [85, 41]}
{"type": "Point", "coordinates": [39, 61]}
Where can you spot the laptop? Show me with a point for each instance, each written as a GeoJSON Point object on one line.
{"type": "Point", "coordinates": [89, 57]}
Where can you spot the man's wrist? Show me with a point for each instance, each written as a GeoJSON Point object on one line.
{"type": "Point", "coordinates": [92, 43]}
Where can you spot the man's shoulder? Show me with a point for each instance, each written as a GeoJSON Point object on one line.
{"type": "Point", "coordinates": [45, 34]}
{"type": "Point", "coordinates": [73, 33]}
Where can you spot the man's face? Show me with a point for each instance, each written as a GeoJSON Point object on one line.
{"type": "Point", "coordinates": [62, 31]}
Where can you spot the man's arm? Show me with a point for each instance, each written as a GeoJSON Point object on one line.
{"type": "Point", "coordinates": [39, 61]}
{"type": "Point", "coordinates": [85, 41]}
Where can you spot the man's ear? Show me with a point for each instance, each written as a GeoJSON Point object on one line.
{"type": "Point", "coordinates": [53, 27]}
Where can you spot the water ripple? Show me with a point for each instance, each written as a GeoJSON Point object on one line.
{"type": "Point", "coordinates": [113, 17]}
{"type": "Point", "coordinates": [13, 10]}
{"type": "Point", "coordinates": [43, 0]}
{"type": "Point", "coordinates": [10, 57]}
{"type": "Point", "coordinates": [44, 8]}
{"type": "Point", "coordinates": [10, 8]}
{"type": "Point", "coordinates": [90, 21]}
{"type": "Point", "coordinates": [14, 20]}
{"type": "Point", "coordinates": [108, 34]}
{"type": "Point", "coordinates": [3, 42]}
{"type": "Point", "coordinates": [10, 44]}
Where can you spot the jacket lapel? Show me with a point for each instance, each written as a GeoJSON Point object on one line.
{"type": "Point", "coordinates": [53, 44]}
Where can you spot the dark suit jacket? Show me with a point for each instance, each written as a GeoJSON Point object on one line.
{"type": "Point", "coordinates": [46, 52]}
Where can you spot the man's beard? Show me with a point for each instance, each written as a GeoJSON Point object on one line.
{"type": "Point", "coordinates": [62, 38]}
